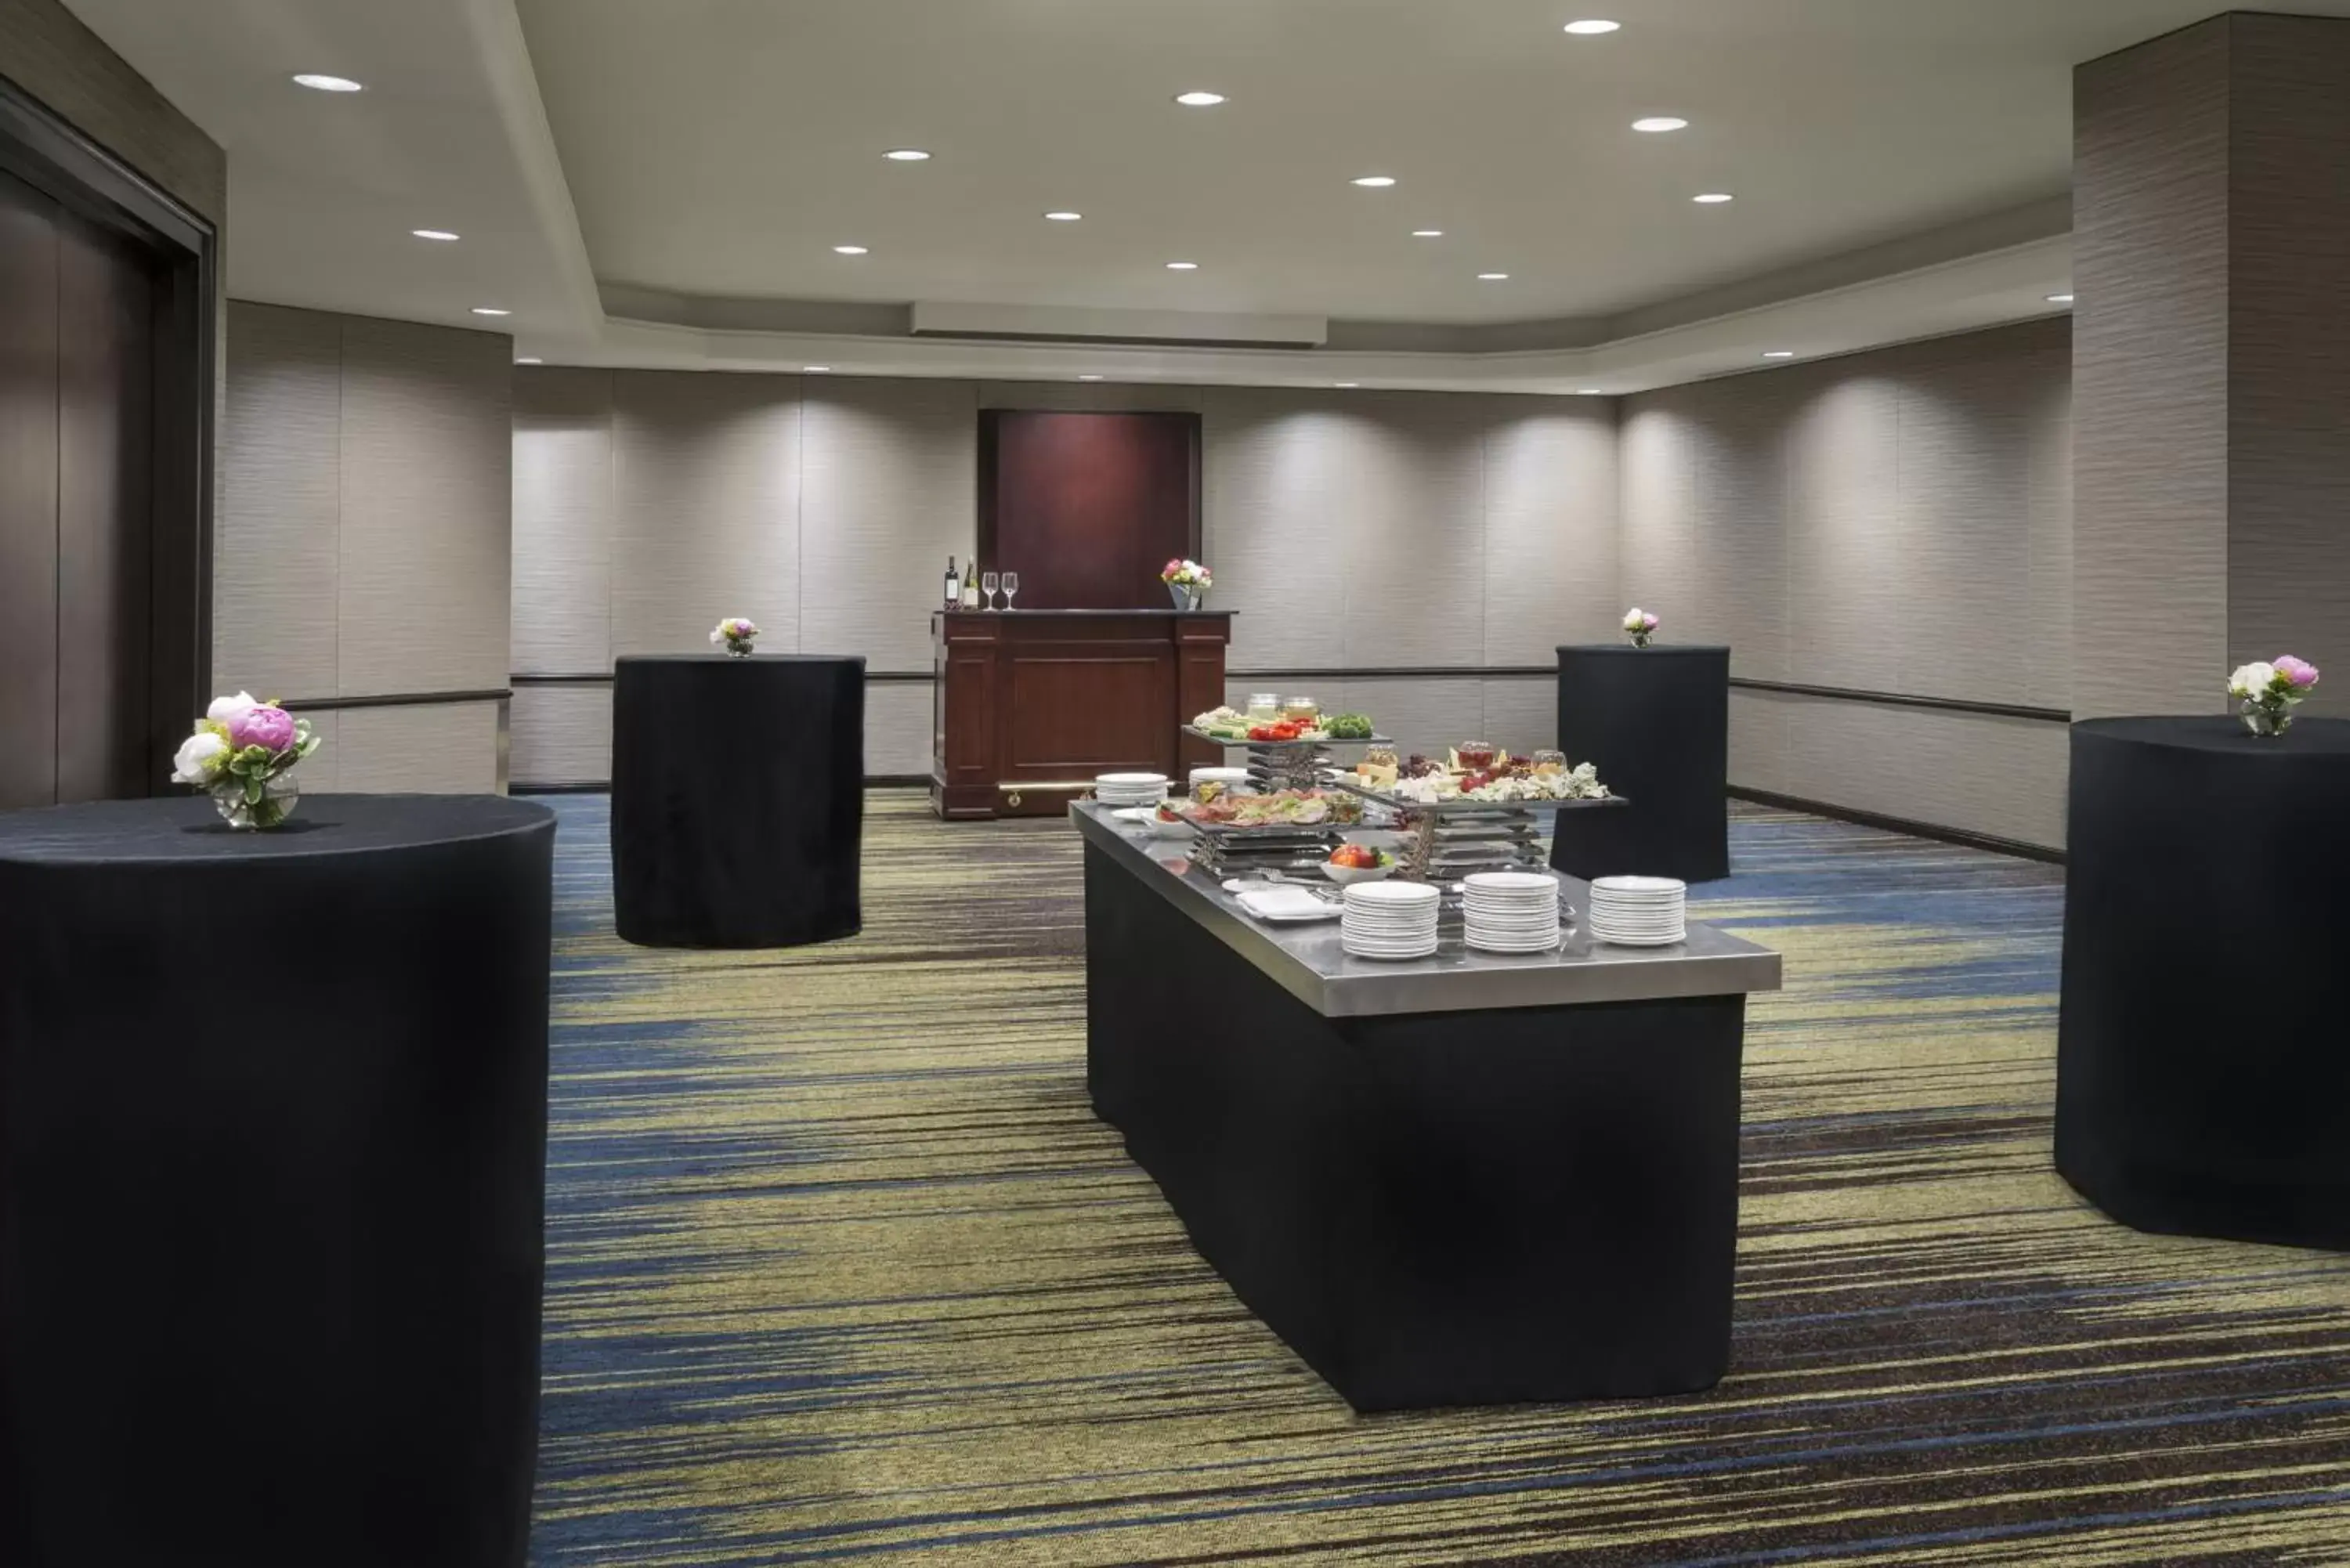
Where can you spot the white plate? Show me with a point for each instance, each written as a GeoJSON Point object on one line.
{"type": "Point", "coordinates": [1427, 950]}
{"type": "Point", "coordinates": [1137, 779]}
{"type": "Point", "coordinates": [1393, 895]}
{"type": "Point", "coordinates": [1622, 939]}
{"type": "Point", "coordinates": [1519, 882]}
{"type": "Point", "coordinates": [1640, 885]}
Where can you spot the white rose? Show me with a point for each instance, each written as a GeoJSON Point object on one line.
{"type": "Point", "coordinates": [2252, 680]}
{"type": "Point", "coordinates": [200, 756]}
{"type": "Point", "coordinates": [229, 710]}
{"type": "Point", "coordinates": [1634, 619]}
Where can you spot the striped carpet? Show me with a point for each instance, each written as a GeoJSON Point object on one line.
{"type": "Point", "coordinates": [840, 1268]}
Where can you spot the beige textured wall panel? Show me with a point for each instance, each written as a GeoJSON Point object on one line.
{"type": "Point", "coordinates": [562, 734]}
{"type": "Point", "coordinates": [1845, 554]}
{"type": "Point", "coordinates": [1737, 570]}
{"type": "Point", "coordinates": [1422, 714]}
{"type": "Point", "coordinates": [425, 750]}
{"type": "Point", "coordinates": [1972, 772]}
{"type": "Point", "coordinates": [1658, 486]}
{"type": "Point", "coordinates": [706, 510]}
{"type": "Point", "coordinates": [1413, 552]}
{"type": "Point", "coordinates": [888, 471]}
{"type": "Point", "coordinates": [1274, 483]}
{"type": "Point", "coordinates": [276, 554]}
{"type": "Point", "coordinates": [1522, 714]}
{"type": "Point", "coordinates": [2150, 377]}
{"type": "Point", "coordinates": [323, 773]}
{"type": "Point", "coordinates": [562, 521]}
{"type": "Point", "coordinates": [898, 727]}
{"type": "Point", "coordinates": [427, 508]}
{"type": "Point", "coordinates": [2289, 347]}
{"type": "Point", "coordinates": [1551, 571]}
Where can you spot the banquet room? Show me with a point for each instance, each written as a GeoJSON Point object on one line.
{"type": "Point", "coordinates": [1004, 783]}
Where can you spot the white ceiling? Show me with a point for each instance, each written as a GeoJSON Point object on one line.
{"type": "Point", "coordinates": [718, 149]}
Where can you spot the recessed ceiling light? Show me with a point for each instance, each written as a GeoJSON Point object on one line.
{"type": "Point", "coordinates": [817, 369]}
{"type": "Point", "coordinates": [1345, 386]}
{"type": "Point", "coordinates": [1089, 377]}
{"type": "Point", "coordinates": [2060, 299]}
{"type": "Point", "coordinates": [490, 310]}
{"type": "Point", "coordinates": [326, 84]}
{"type": "Point", "coordinates": [1376, 182]}
{"type": "Point", "coordinates": [1592, 28]}
{"type": "Point", "coordinates": [907, 155]}
{"type": "Point", "coordinates": [1183, 266]}
{"type": "Point", "coordinates": [1713, 198]}
{"type": "Point", "coordinates": [530, 359]}
{"type": "Point", "coordinates": [1199, 99]}
{"type": "Point", "coordinates": [849, 250]}
{"type": "Point", "coordinates": [1064, 217]}
{"type": "Point", "coordinates": [1492, 278]}
{"type": "Point", "coordinates": [1428, 234]}
{"type": "Point", "coordinates": [432, 234]}
{"type": "Point", "coordinates": [1778, 353]}
{"type": "Point", "coordinates": [1660, 122]}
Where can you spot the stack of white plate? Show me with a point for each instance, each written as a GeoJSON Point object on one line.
{"type": "Point", "coordinates": [1509, 911]}
{"type": "Point", "coordinates": [1638, 911]}
{"type": "Point", "coordinates": [1115, 790]}
{"type": "Point", "coordinates": [1390, 919]}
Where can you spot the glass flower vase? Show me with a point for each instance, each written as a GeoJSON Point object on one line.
{"type": "Point", "coordinates": [1642, 639]}
{"type": "Point", "coordinates": [2268, 719]}
{"type": "Point", "coordinates": [280, 795]}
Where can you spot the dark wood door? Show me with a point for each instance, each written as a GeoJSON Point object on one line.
{"type": "Point", "coordinates": [78, 365]}
{"type": "Point", "coordinates": [1087, 507]}
{"type": "Point", "coordinates": [106, 467]}
{"type": "Point", "coordinates": [29, 495]}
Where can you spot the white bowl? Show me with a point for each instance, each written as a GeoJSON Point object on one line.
{"type": "Point", "coordinates": [1347, 875]}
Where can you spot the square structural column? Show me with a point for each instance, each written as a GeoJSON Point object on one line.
{"type": "Point", "coordinates": [2211, 362]}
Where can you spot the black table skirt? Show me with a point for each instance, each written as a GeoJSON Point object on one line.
{"type": "Point", "coordinates": [1656, 721]}
{"type": "Point", "coordinates": [273, 1127]}
{"type": "Point", "coordinates": [2203, 1059]}
{"type": "Point", "coordinates": [738, 799]}
{"type": "Point", "coordinates": [1430, 1208]}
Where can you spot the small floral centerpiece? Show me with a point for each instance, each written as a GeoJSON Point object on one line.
{"type": "Point", "coordinates": [1188, 582]}
{"type": "Point", "coordinates": [737, 633]}
{"type": "Point", "coordinates": [1639, 626]}
{"type": "Point", "coordinates": [243, 754]}
{"type": "Point", "coordinates": [2267, 693]}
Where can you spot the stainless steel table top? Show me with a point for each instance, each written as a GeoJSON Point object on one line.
{"type": "Point", "coordinates": [1311, 963]}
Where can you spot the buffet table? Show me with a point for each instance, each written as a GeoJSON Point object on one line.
{"type": "Point", "coordinates": [1032, 704]}
{"type": "Point", "coordinates": [738, 799]}
{"type": "Point", "coordinates": [1465, 1180]}
{"type": "Point", "coordinates": [273, 1132]}
{"type": "Point", "coordinates": [2202, 1084]}
{"type": "Point", "coordinates": [1657, 723]}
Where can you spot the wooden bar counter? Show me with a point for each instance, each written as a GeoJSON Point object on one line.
{"type": "Point", "coordinates": [1030, 705]}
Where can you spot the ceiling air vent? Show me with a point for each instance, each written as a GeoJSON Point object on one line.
{"type": "Point", "coordinates": [1063, 323]}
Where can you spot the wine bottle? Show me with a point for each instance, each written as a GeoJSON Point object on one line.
{"type": "Point", "coordinates": [971, 584]}
{"type": "Point", "coordinates": [954, 585]}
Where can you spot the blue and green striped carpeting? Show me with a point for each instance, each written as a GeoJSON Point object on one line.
{"type": "Point", "coordinates": [841, 1268]}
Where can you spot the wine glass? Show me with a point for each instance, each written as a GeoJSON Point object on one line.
{"type": "Point", "coordinates": [987, 581]}
{"type": "Point", "coordinates": [1011, 589]}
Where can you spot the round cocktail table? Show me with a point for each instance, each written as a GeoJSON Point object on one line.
{"type": "Point", "coordinates": [2203, 1057]}
{"type": "Point", "coordinates": [273, 1132]}
{"type": "Point", "coordinates": [1655, 723]}
{"type": "Point", "coordinates": [738, 799]}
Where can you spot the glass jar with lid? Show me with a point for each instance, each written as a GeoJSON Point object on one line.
{"type": "Point", "coordinates": [1300, 710]}
{"type": "Point", "coordinates": [1264, 707]}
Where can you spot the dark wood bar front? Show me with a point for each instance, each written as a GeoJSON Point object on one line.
{"type": "Point", "coordinates": [1030, 705]}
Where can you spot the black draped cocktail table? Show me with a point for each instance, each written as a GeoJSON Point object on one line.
{"type": "Point", "coordinates": [2203, 1058]}
{"type": "Point", "coordinates": [1655, 723]}
{"type": "Point", "coordinates": [738, 799]}
{"type": "Point", "coordinates": [273, 1131]}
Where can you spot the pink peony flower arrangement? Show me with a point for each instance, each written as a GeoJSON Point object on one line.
{"type": "Point", "coordinates": [1186, 581]}
{"type": "Point", "coordinates": [2266, 694]}
{"type": "Point", "coordinates": [243, 754]}
{"type": "Point", "coordinates": [1639, 626]}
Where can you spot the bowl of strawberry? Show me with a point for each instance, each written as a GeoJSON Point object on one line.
{"type": "Point", "coordinates": [1351, 863]}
